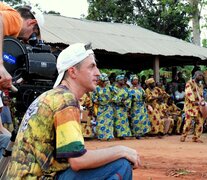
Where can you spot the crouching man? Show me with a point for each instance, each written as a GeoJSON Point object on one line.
{"type": "Point", "coordinates": [50, 143]}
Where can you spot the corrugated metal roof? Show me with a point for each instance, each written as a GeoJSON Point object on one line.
{"type": "Point", "coordinates": [116, 37]}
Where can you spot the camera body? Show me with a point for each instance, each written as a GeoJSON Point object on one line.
{"type": "Point", "coordinates": [32, 67]}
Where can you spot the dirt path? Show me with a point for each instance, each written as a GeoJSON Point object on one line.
{"type": "Point", "coordinates": [166, 158]}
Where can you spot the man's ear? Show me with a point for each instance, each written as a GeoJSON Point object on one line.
{"type": "Point", "coordinates": [31, 22]}
{"type": "Point", "coordinates": [72, 72]}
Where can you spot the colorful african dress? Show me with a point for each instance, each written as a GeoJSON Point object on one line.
{"type": "Point", "coordinates": [87, 115]}
{"type": "Point", "coordinates": [176, 114]}
{"type": "Point", "coordinates": [105, 115]}
{"type": "Point", "coordinates": [191, 108]}
{"type": "Point", "coordinates": [140, 122]}
{"type": "Point", "coordinates": [153, 112]}
{"type": "Point", "coordinates": [122, 104]}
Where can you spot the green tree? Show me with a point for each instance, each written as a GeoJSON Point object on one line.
{"type": "Point", "coordinates": [52, 12]}
{"type": "Point", "coordinates": [14, 2]}
{"type": "Point", "coordinates": [111, 11]}
{"type": "Point", "coordinates": [170, 17]}
{"type": "Point", "coordinates": [197, 8]}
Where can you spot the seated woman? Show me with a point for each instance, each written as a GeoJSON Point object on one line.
{"type": "Point", "coordinates": [180, 96]}
{"type": "Point", "coordinates": [176, 114]}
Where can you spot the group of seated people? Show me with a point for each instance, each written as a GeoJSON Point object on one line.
{"type": "Point", "coordinates": [124, 109]}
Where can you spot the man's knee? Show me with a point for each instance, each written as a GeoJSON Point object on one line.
{"type": "Point", "coordinates": [125, 163]}
{"type": "Point", "coordinates": [126, 169]}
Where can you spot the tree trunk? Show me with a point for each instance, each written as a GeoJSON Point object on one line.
{"type": "Point", "coordinates": [195, 21]}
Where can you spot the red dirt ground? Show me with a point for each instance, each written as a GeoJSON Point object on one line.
{"type": "Point", "coordinates": [166, 158]}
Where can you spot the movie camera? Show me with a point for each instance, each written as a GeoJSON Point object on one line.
{"type": "Point", "coordinates": [32, 67]}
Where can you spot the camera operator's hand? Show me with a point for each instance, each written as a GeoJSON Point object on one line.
{"type": "Point", "coordinates": [5, 78]}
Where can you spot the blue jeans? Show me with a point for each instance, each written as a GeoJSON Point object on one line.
{"type": "Point", "coordinates": [4, 141]}
{"type": "Point", "coordinates": [118, 170]}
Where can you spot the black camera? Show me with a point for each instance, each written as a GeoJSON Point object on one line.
{"type": "Point", "coordinates": [31, 61]}
{"type": "Point", "coordinates": [32, 66]}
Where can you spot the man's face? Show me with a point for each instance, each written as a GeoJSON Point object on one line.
{"type": "Point", "coordinates": [29, 27]}
{"type": "Point", "coordinates": [88, 74]}
{"type": "Point", "coordinates": [199, 77]}
{"type": "Point", "coordinates": [5, 101]}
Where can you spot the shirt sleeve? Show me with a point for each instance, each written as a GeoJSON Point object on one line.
{"type": "Point", "coordinates": [12, 20]}
{"type": "Point", "coordinates": [69, 138]}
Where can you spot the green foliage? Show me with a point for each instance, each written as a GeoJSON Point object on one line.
{"type": "Point", "coordinates": [14, 2]}
{"type": "Point", "coordinates": [110, 11]}
{"type": "Point", "coordinates": [146, 73]}
{"type": "Point", "coordinates": [170, 17]}
{"type": "Point", "coordinates": [52, 12]}
{"type": "Point", "coordinates": [204, 43]}
{"type": "Point", "coordinates": [109, 71]}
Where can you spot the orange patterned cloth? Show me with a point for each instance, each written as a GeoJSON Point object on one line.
{"type": "Point", "coordinates": [192, 90]}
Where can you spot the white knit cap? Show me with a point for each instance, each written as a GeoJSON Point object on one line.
{"type": "Point", "coordinates": [69, 57]}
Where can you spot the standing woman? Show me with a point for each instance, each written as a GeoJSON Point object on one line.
{"type": "Point", "coordinates": [105, 116]}
{"type": "Point", "coordinates": [140, 122]}
{"type": "Point", "coordinates": [121, 104]}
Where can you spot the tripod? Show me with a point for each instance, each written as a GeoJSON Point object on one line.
{"type": "Point", "coordinates": [7, 156]}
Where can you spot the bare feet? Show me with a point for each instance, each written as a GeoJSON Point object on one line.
{"type": "Point", "coordinates": [197, 140]}
{"type": "Point", "coordinates": [182, 139]}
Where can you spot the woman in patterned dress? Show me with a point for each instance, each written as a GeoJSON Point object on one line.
{"type": "Point", "coordinates": [122, 104]}
{"type": "Point", "coordinates": [152, 95]}
{"type": "Point", "coordinates": [105, 116]}
{"type": "Point", "coordinates": [87, 115]}
{"type": "Point", "coordinates": [140, 122]}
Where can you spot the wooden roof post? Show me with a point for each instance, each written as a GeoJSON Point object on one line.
{"type": "Point", "coordinates": [156, 68]}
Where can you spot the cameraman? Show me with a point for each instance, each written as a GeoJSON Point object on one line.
{"type": "Point", "coordinates": [20, 23]}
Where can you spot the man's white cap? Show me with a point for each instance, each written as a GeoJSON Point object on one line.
{"type": "Point", "coordinates": [38, 16]}
{"type": "Point", "coordinates": [71, 56]}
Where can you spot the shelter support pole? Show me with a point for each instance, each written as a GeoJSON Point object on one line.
{"type": "Point", "coordinates": [156, 67]}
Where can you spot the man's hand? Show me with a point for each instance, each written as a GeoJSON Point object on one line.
{"type": "Point", "coordinates": [132, 155]}
{"type": "Point", "coordinates": [5, 78]}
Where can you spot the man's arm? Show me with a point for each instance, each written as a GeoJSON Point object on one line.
{"type": "Point", "coordinates": [5, 77]}
{"type": "Point", "coordinates": [97, 158]}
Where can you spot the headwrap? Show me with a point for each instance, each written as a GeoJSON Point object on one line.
{"type": "Point", "coordinates": [197, 73]}
{"type": "Point", "coordinates": [149, 81]}
{"type": "Point", "coordinates": [119, 77]}
{"type": "Point", "coordinates": [103, 77]}
{"type": "Point", "coordinates": [133, 77]}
